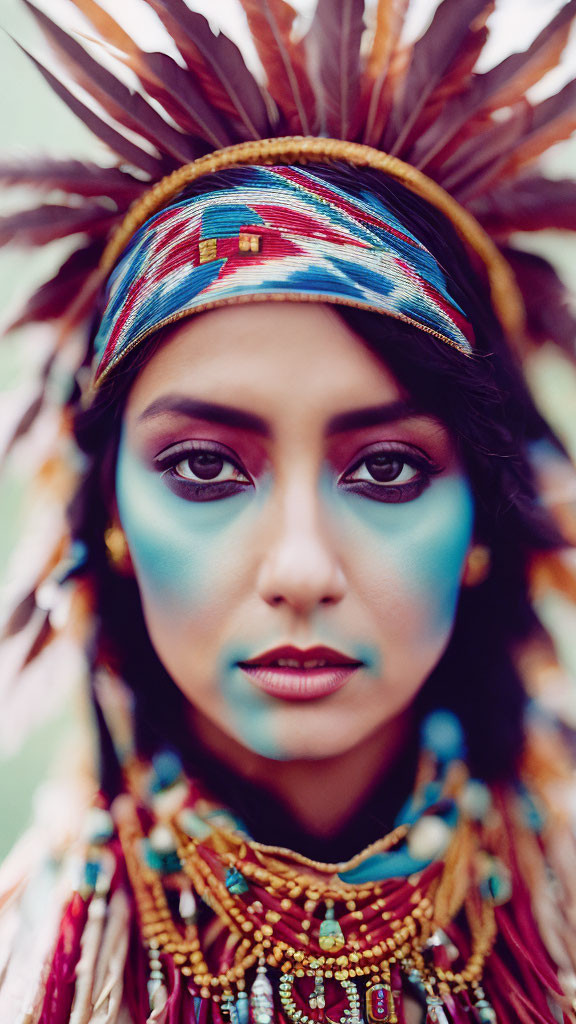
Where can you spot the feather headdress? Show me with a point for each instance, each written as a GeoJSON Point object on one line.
{"type": "Point", "coordinates": [350, 76]}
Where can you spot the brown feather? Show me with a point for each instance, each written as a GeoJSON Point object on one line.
{"type": "Point", "coordinates": [271, 23]}
{"type": "Point", "coordinates": [174, 88]}
{"type": "Point", "coordinates": [532, 203]}
{"type": "Point", "coordinates": [504, 85]}
{"type": "Point", "coordinates": [380, 77]}
{"type": "Point", "coordinates": [46, 223]}
{"type": "Point", "coordinates": [117, 142]}
{"type": "Point", "coordinates": [106, 25]}
{"type": "Point", "coordinates": [521, 139]}
{"type": "Point", "coordinates": [482, 153]}
{"type": "Point", "coordinates": [163, 79]}
{"type": "Point", "coordinates": [547, 300]}
{"type": "Point", "coordinates": [22, 613]}
{"type": "Point", "coordinates": [219, 68]}
{"type": "Point", "coordinates": [458, 75]}
{"type": "Point", "coordinates": [128, 108]}
{"type": "Point", "coordinates": [55, 296]}
{"type": "Point", "coordinates": [333, 50]}
{"type": "Point", "coordinates": [75, 177]}
{"type": "Point", "coordinates": [433, 55]}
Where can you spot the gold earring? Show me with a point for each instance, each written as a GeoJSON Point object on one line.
{"type": "Point", "coordinates": [477, 566]}
{"type": "Point", "coordinates": [117, 550]}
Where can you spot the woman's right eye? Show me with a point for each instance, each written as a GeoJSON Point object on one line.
{"type": "Point", "coordinates": [208, 466]}
{"type": "Point", "coordinates": [201, 472]}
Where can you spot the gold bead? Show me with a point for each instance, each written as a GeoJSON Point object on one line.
{"type": "Point", "coordinates": [285, 904]}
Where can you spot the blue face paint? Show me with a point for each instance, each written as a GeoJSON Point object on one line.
{"type": "Point", "coordinates": [421, 544]}
{"type": "Point", "coordinates": [174, 543]}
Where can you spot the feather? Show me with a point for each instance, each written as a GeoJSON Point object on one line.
{"type": "Point", "coordinates": [533, 203]}
{"type": "Point", "coordinates": [109, 973]}
{"type": "Point", "coordinates": [56, 295]}
{"type": "Point", "coordinates": [46, 223]}
{"type": "Point", "coordinates": [105, 132]}
{"type": "Point", "coordinates": [504, 85]}
{"type": "Point", "coordinates": [380, 76]}
{"type": "Point", "coordinates": [106, 25]}
{"type": "Point", "coordinates": [546, 298]}
{"type": "Point", "coordinates": [218, 66]}
{"type": "Point", "coordinates": [457, 76]}
{"type": "Point", "coordinates": [89, 946]}
{"type": "Point", "coordinates": [508, 145]}
{"type": "Point", "coordinates": [333, 47]}
{"type": "Point", "coordinates": [482, 150]}
{"type": "Point", "coordinates": [552, 121]}
{"type": "Point", "coordinates": [175, 89]}
{"type": "Point", "coordinates": [432, 57]}
{"type": "Point", "coordinates": [128, 108]}
{"type": "Point", "coordinates": [76, 177]}
{"type": "Point", "coordinates": [271, 23]}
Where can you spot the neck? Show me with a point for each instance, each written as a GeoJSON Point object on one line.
{"type": "Point", "coordinates": [321, 796]}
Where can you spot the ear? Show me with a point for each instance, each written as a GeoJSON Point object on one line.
{"type": "Point", "coordinates": [477, 565]}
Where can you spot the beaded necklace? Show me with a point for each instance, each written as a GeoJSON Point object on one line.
{"type": "Point", "coordinates": [260, 930]}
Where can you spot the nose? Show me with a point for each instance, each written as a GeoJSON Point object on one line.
{"type": "Point", "coordinates": [300, 568]}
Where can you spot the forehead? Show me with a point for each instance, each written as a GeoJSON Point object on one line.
{"type": "Point", "coordinates": [272, 354]}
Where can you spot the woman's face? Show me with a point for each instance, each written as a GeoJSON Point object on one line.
{"type": "Point", "coordinates": [278, 489]}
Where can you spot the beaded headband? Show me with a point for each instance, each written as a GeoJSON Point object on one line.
{"type": "Point", "coordinates": [275, 233]}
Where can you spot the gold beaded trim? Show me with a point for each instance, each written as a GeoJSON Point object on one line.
{"type": "Point", "coordinates": [505, 294]}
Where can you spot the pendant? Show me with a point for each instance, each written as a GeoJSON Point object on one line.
{"type": "Point", "coordinates": [436, 1013]}
{"type": "Point", "coordinates": [262, 998]}
{"type": "Point", "coordinates": [235, 882]}
{"type": "Point", "coordinates": [316, 1000]}
{"type": "Point", "coordinates": [380, 1007]}
{"type": "Point", "coordinates": [243, 1008]}
{"type": "Point", "coordinates": [331, 937]}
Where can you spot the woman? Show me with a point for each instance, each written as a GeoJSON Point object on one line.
{"type": "Point", "coordinates": [301, 543]}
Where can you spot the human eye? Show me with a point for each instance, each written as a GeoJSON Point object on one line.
{"type": "Point", "coordinates": [390, 473]}
{"type": "Point", "coordinates": [199, 471]}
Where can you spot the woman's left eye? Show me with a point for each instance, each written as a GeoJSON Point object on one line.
{"type": "Point", "coordinates": [391, 476]}
{"type": "Point", "coordinates": [384, 469]}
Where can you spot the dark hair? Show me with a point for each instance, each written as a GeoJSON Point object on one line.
{"type": "Point", "coordinates": [485, 404]}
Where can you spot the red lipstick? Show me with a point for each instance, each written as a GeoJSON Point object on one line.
{"type": "Point", "coordinates": [294, 674]}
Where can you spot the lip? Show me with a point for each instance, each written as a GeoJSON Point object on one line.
{"type": "Point", "coordinates": [300, 683]}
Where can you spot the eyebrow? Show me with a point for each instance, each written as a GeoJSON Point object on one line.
{"type": "Point", "coordinates": [355, 419]}
{"type": "Point", "coordinates": [212, 411]}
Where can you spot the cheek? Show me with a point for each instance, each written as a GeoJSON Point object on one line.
{"type": "Point", "coordinates": [412, 554]}
{"type": "Point", "coordinates": [181, 550]}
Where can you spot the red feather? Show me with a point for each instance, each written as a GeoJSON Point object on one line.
{"type": "Point", "coordinates": [174, 88]}
{"type": "Point", "coordinates": [117, 142]}
{"type": "Point", "coordinates": [75, 177]}
{"type": "Point", "coordinates": [504, 85]}
{"type": "Point", "coordinates": [333, 48]}
{"type": "Point", "coordinates": [218, 66]}
{"type": "Point", "coordinates": [547, 300]}
{"type": "Point", "coordinates": [47, 223]}
{"type": "Point", "coordinates": [433, 56]}
{"type": "Point", "coordinates": [530, 204]}
{"type": "Point", "coordinates": [271, 23]}
{"type": "Point", "coordinates": [384, 65]}
{"type": "Point", "coordinates": [57, 295]}
{"type": "Point", "coordinates": [128, 108]}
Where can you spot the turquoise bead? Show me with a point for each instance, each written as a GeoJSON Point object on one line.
{"type": "Point", "coordinates": [235, 882]}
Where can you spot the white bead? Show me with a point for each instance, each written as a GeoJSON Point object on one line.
{"type": "Point", "coordinates": [475, 800]}
{"type": "Point", "coordinates": [162, 839]}
{"type": "Point", "coordinates": [429, 838]}
{"type": "Point", "coordinates": [169, 801]}
{"type": "Point", "coordinates": [192, 824]}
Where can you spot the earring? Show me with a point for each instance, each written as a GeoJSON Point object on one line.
{"type": "Point", "coordinates": [117, 550]}
{"type": "Point", "coordinates": [477, 566]}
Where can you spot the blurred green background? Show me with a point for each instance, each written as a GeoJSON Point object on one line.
{"type": "Point", "coordinates": [33, 120]}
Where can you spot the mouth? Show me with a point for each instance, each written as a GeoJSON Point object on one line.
{"type": "Point", "coordinates": [294, 674]}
